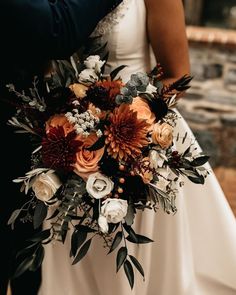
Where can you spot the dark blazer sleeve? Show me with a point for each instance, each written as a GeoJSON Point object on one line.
{"type": "Point", "coordinates": [50, 28]}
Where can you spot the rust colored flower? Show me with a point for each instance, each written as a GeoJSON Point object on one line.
{"type": "Point", "coordinates": [59, 149]}
{"type": "Point", "coordinates": [103, 94]}
{"type": "Point", "coordinates": [126, 135]}
{"type": "Point", "coordinates": [59, 120]}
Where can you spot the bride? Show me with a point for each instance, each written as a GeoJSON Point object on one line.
{"type": "Point", "coordinates": [194, 252]}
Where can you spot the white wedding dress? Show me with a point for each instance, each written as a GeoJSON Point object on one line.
{"type": "Point", "coordinates": [194, 252]}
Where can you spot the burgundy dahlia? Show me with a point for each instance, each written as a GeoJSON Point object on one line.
{"type": "Point", "coordinates": [59, 150]}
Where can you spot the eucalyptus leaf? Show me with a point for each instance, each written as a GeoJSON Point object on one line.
{"type": "Point", "coordinates": [23, 266]}
{"type": "Point", "coordinates": [82, 252]}
{"type": "Point", "coordinates": [42, 235]}
{"type": "Point", "coordinates": [121, 257]}
{"type": "Point", "coordinates": [198, 180]}
{"type": "Point", "coordinates": [129, 218]}
{"type": "Point", "coordinates": [38, 258]}
{"type": "Point", "coordinates": [131, 232]}
{"type": "Point", "coordinates": [129, 273]}
{"type": "Point", "coordinates": [116, 241]}
{"type": "Point", "coordinates": [137, 265]}
{"type": "Point", "coordinates": [40, 214]}
{"type": "Point", "coordinates": [13, 217]}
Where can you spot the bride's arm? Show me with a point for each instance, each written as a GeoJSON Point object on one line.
{"type": "Point", "coordinates": [167, 35]}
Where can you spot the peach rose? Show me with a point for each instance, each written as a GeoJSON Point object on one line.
{"type": "Point", "coordinates": [143, 110]}
{"type": "Point", "coordinates": [79, 90]}
{"type": "Point", "coordinates": [87, 161]}
{"type": "Point", "coordinates": [59, 120]}
{"type": "Point", "coordinates": [163, 135]}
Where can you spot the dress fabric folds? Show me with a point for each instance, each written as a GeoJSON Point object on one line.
{"type": "Point", "coordinates": [194, 252]}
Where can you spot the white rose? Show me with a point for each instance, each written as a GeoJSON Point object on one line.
{"type": "Point", "coordinates": [103, 224]}
{"type": "Point", "coordinates": [114, 210]}
{"type": "Point", "coordinates": [151, 89]}
{"type": "Point", "coordinates": [98, 185]}
{"type": "Point", "coordinates": [45, 185]}
{"type": "Point", "coordinates": [94, 62]}
{"type": "Point", "coordinates": [88, 75]}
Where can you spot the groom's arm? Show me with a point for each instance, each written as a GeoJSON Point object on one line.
{"type": "Point", "coordinates": [50, 28]}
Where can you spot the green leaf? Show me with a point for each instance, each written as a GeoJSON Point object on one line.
{"type": "Point", "coordinates": [85, 228]}
{"type": "Point", "coordinates": [42, 235]}
{"type": "Point", "coordinates": [13, 217]}
{"type": "Point", "coordinates": [82, 252]}
{"type": "Point", "coordinates": [77, 239]}
{"type": "Point", "coordinates": [121, 257]}
{"type": "Point", "coordinates": [40, 214]}
{"type": "Point", "coordinates": [116, 71]}
{"type": "Point", "coordinates": [98, 144]}
{"type": "Point", "coordinates": [116, 241]}
{"type": "Point", "coordinates": [200, 161]}
{"type": "Point", "coordinates": [137, 265]}
{"type": "Point", "coordinates": [38, 258]}
{"type": "Point", "coordinates": [139, 239]}
{"type": "Point", "coordinates": [129, 273]}
{"type": "Point", "coordinates": [198, 180]}
{"type": "Point", "coordinates": [131, 232]}
{"type": "Point", "coordinates": [23, 266]}
{"type": "Point", "coordinates": [129, 218]}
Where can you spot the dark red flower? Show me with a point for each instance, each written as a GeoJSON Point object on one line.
{"type": "Point", "coordinates": [59, 150]}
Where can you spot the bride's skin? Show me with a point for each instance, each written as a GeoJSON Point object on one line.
{"type": "Point", "coordinates": [167, 35]}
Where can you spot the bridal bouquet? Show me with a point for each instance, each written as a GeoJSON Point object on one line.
{"type": "Point", "coordinates": [102, 150]}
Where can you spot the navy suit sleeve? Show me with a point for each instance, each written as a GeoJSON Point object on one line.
{"type": "Point", "coordinates": [50, 28]}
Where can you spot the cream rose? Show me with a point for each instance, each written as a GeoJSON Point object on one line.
{"type": "Point", "coordinates": [94, 62]}
{"type": "Point", "coordinates": [45, 185]}
{"type": "Point", "coordinates": [143, 110]}
{"type": "Point", "coordinates": [86, 160]}
{"type": "Point", "coordinates": [98, 185]}
{"type": "Point", "coordinates": [162, 134]}
{"type": "Point", "coordinates": [114, 210]}
{"type": "Point", "coordinates": [88, 75]}
{"type": "Point", "coordinates": [103, 224]}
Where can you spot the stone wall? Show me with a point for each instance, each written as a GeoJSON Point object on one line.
{"type": "Point", "coordinates": [210, 104]}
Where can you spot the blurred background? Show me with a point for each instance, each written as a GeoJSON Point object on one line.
{"type": "Point", "coordinates": [210, 105]}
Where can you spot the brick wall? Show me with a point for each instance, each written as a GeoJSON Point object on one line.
{"type": "Point", "coordinates": [210, 105]}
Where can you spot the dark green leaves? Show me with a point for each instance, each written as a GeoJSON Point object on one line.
{"type": "Point", "coordinates": [116, 241]}
{"type": "Point", "coordinates": [121, 257]}
{"type": "Point", "coordinates": [77, 239]}
{"type": "Point", "coordinates": [43, 235]}
{"type": "Point", "coordinates": [198, 180]}
{"type": "Point", "coordinates": [40, 214]}
{"type": "Point", "coordinates": [139, 239]}
{"type": "Point", "coordinates": [129, 218]}
{"type": "Point", "coordinates": [199, 161]}
{"type": "Point", "coordinates": [116, 71]}
{"type": "Point", "coordinates": [82, 252]}
{"type": "Point", "coordinates": [137, 265]}
{"type": "Point", "coordinates": [13, 217]}
{"type": "Point", "coordinates": [129, 273]}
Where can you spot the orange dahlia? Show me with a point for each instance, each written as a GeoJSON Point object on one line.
{"type": "Point", "coordinates": [126, 135]}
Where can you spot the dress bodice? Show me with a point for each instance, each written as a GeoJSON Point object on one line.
{"type": "Point", "coordinates": [127, 40]}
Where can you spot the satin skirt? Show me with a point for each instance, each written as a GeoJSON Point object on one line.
{"type": "Point", "coordinates": [193, 253]}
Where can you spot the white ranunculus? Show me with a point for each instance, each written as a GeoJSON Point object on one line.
{"type": "Point", "coordinates": [151, 89]}
{"type": "Point", "coordinates": [103, 224]}
{"type": "Point", "coordinates": [45, 185]}
{"type": "Point", "coordinates": [94, 62]}
{"type": "Point", "coordinates": [88, 75]}
{"type": "Point", "coordinates": [114, 210]}
{"type": "Point", "coordinates": [98, 185]}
